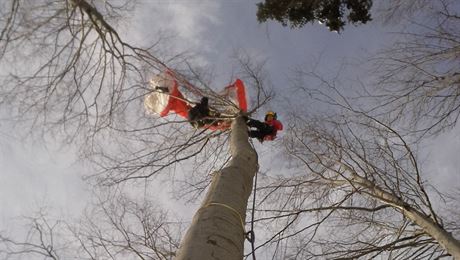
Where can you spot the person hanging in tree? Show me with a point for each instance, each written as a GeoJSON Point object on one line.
{"type": "Point", "coordinates": [200, 116]}
{"type": "Point", "coordinates": [164, 98]}
{"type": "Point", "coordinates": [265, 131]}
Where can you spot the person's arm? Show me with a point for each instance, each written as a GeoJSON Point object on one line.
{"type": "Point", "coordinates": [278, 125]}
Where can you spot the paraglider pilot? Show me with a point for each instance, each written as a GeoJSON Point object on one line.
{"type": "Point", "coordinates": [200, 115]}
{"type": "Point", "coordinates": [265, 131]}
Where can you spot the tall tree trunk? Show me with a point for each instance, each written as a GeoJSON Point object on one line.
{"type": "Point", "coordinates": [217, 229]}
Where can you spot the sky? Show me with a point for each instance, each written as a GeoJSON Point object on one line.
{"type": "Point", "coordinates": [36, 174]}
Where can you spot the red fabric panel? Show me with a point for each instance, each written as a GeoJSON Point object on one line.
{"type": "Point", "coordinates": [176, 103]}
{"type": "Point", "coordinates": [241, 95]}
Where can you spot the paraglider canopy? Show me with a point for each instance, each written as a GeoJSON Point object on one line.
{"type": "Point", "coordinates": [166, 98]}
{"type": "Point", "coordinates": [236, 93]}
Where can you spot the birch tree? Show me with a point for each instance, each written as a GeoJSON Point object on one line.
{"type": "Point", "coordinates": [327, 210]}
{"type": "Point", "coordinates": [357, 187]}
{"type": "Point", "coordinates": [218, 227]}
{"type": "Point", "coordinates": [365, 187]}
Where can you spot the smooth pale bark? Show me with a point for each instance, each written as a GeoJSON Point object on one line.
{"type": "Point", "coordinates": [429, 226]}
{"type": "Point", "coordinates": [217, 231]}
{"type": "Point", "coordinates": [444, 238]}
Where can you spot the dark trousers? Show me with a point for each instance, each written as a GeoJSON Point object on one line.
{"type": "Point", "coordinates": [262, 129]}
{"type": "Point", "coordinates": [198, 114]}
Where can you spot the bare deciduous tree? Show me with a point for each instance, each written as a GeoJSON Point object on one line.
{"type": "Point", "coordinates": [116, 228]}
{"type": "Point", "coordinates": [355, 189]}
{"type": "Point", "coordinates": [218, 227]}
{"type": "Point", "coordinates": [372, 191]}
{"type": "Point", "coordinates": [85, 81]}
{"type": "Point", "coordinates": [419, 76]}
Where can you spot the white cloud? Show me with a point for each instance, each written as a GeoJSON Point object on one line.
{"type": "Point", "coordinates": [192, 19]}
{"type": "Point", "coordinates": [32, 178]}
{"type": "Point", "coordinates": [443, 166]}
{"type": "Point", "coordinates": [188, 20]}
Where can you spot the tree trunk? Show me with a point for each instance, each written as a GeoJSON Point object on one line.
{"type": "Point", "coordinates": [430, 227]}
{"type": "Point", "coordinates": [217, 229]}
{"type": "Point", "coordinates": [444, 238]}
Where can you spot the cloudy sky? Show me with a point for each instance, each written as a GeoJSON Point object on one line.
{"type": "Point", "coordinates": [34, 175]}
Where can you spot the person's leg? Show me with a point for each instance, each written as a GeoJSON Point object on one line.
{"type": "Point", "coordinates": [194, 117]}
{"type": "Point", "coordinates": [267, 129]}
{"type": "Point", "coordinates": [204, 101]}
{"type": "Point", "coordinates": [199, 111]}
{"type": "Point", "coordinates": [256, 134]}
{"type": "Point", "coordinates": [255, 123]}
{"type": "Point", "coordinates": [261, 126]}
